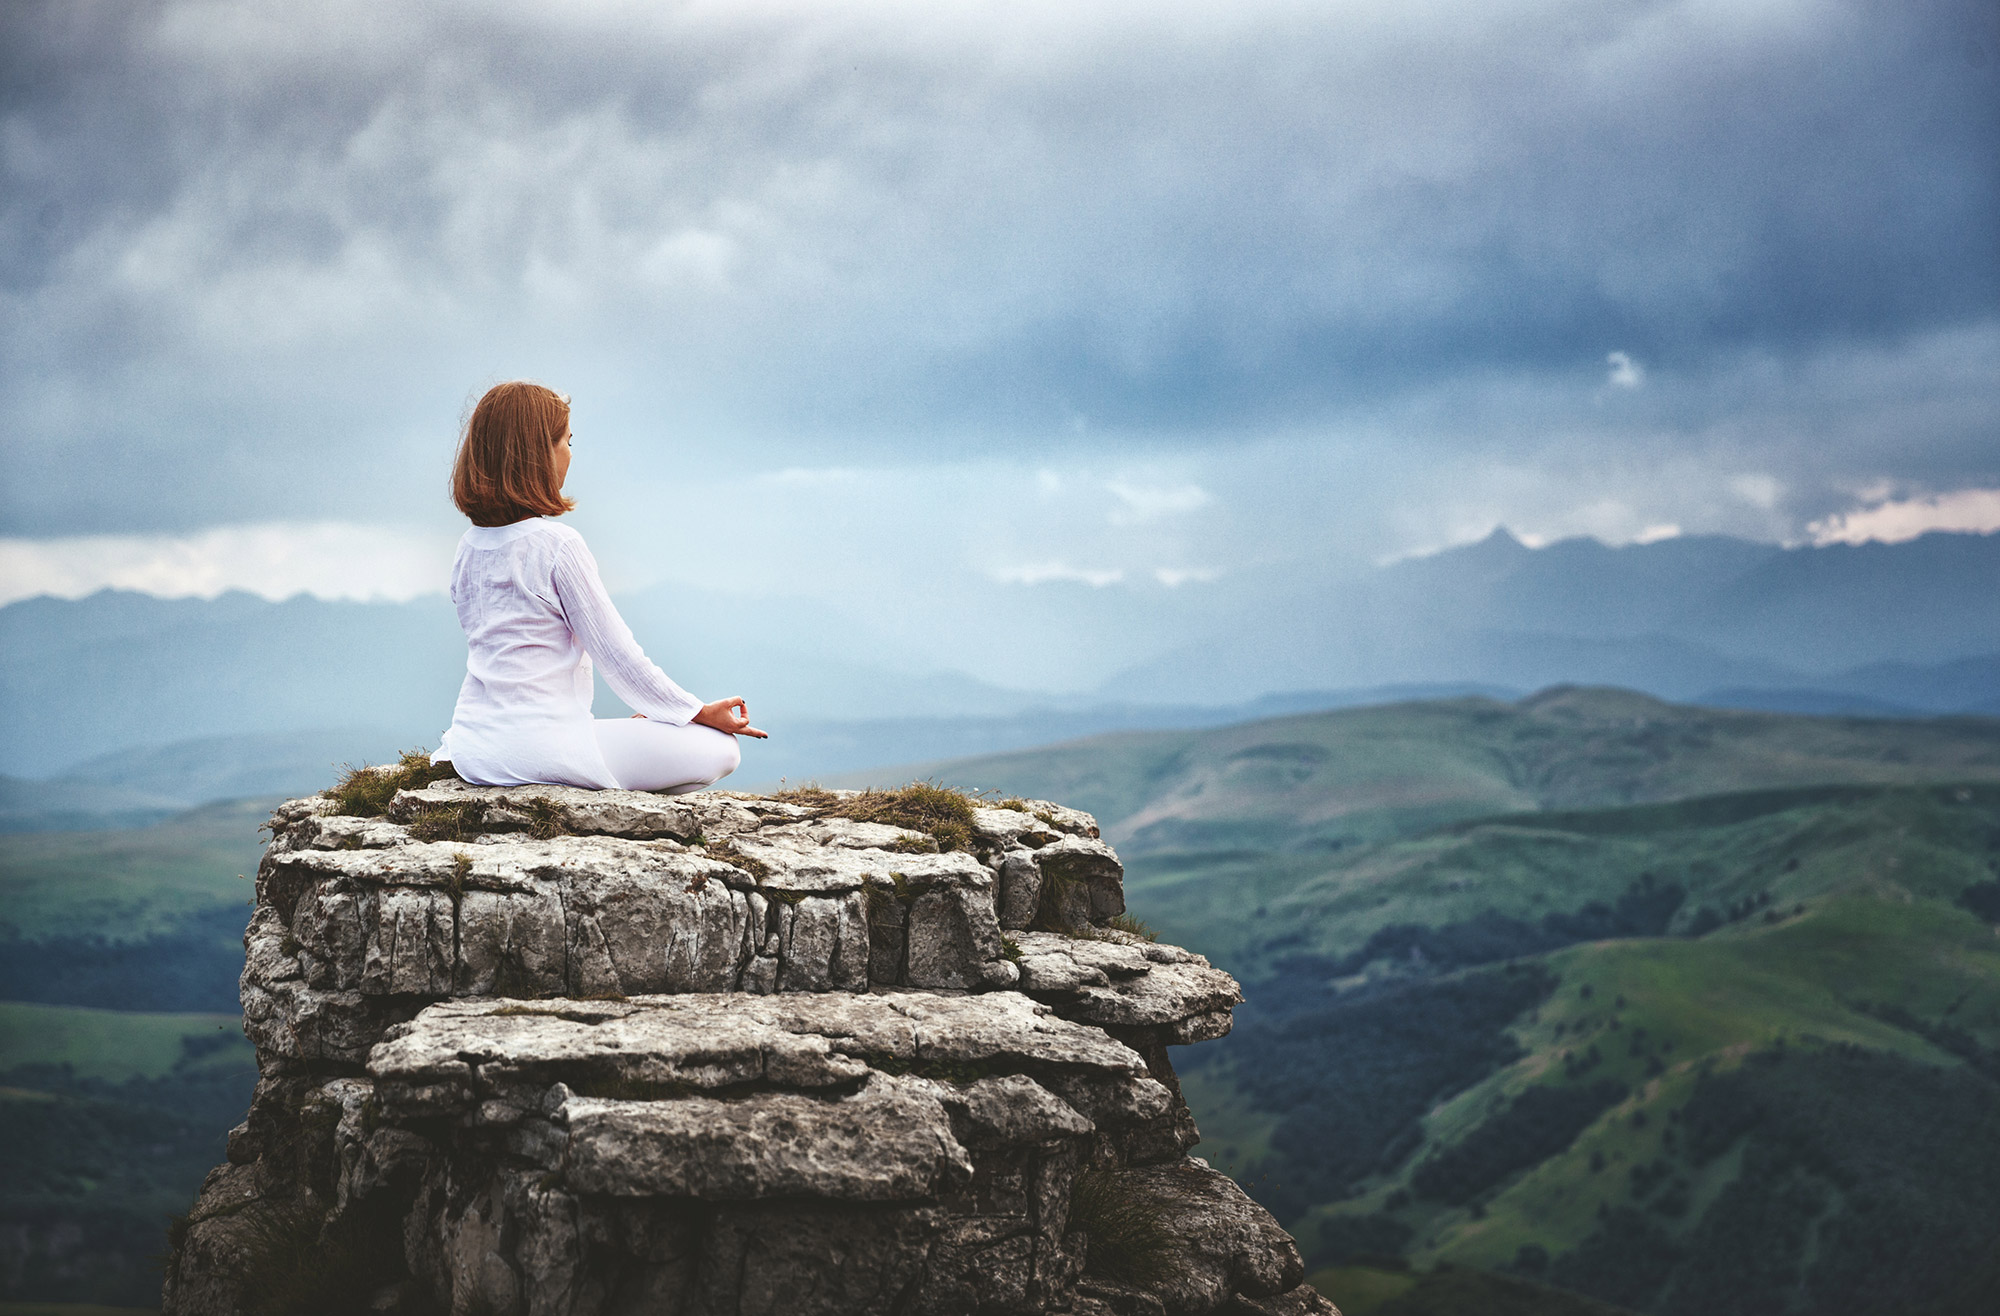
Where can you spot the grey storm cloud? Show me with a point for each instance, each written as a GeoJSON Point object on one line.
{"type": "Point", "coordinates": [248, 250]}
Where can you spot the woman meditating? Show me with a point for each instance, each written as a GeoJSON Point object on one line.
{"type": "Point", "coordinates": [535, 615]}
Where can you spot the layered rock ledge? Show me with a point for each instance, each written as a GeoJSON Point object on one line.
{"type": "Point", "coordinates": [546, 1051]}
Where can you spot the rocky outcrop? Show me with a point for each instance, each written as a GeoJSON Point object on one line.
{"type": "Point", "coordinates": [547, 1051]}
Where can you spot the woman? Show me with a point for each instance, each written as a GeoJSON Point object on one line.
{"type": "Point", "coordinates": [535, 615]}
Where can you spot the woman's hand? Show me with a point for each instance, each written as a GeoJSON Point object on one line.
{"type": "Point", "coordinates": [731, 716]}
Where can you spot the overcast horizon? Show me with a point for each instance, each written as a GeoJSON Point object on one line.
{"type": "Point", "coordinates": [932, 314]}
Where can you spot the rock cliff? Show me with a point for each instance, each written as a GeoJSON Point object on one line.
{"type": "Point", "coordinates": [548, 1051]}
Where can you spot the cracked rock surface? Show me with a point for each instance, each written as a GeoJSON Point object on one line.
{"type": "Point", "coordinates": [540, 1050]}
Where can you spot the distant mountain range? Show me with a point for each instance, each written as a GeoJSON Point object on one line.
{"type": "Point", "coordinates": [141, 704]}
{"type": "Point", "coordinates": [1912, 626]}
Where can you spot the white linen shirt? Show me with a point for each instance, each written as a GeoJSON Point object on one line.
{"type": "Point", "coordinates": [534, 614]}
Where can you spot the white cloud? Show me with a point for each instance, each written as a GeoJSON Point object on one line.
{"type": "Point", "coordinates": [1653, 534]}
{"type": "Point", "coordinates": [331, 559]}
{"type": "Point", "coordinates": [1625, 372]}
{"type": "Point", "coordinates": [1760, 491]}
{"type": "Point", "coordinates": [1048, 573]}
{"type": "Point", "coordinates": [1975, 510]}
{"type": "Point", "coordinates": [1140, 503]}
{"type": "Point", "coordinates": [1175, 577]}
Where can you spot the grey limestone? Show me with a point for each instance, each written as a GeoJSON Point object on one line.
{"type": "Point", "coordinates": [596, 1053]}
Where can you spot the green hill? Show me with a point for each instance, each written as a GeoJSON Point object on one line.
{"type": "Point", "coordinates": [127, 885]}
{"type": "Point", "coordinates": [1681, 1009]}
{"type": "Point", "coordinates": [1364, 774]}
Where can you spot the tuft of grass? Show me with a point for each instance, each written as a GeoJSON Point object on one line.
{"type": "Point", "coordinates": [809, 796]}
{"type": "Point", "coordinates": [461, 869]}
{"type": "Point", "coordinates": [921, 806]}
{"type": "Point", "coordinates": [447, 822]}
{"type": "Point", "coordinates": [1129, 1239]}
{"type": "Point", "coordinates": [1133, 927]}
{"type": "Point", "coordinates": [1010, 949]}
{"type": "Point", "coordinates": [1015, 802]}
{"type": "Point", "coordinates": [914, 845]}
{"type": "Point", "coordinates": [546, 819]}
{"type": "Point", "coordinates": [365, 791]}
{"type": "Point", "coordinates": [729, 854]}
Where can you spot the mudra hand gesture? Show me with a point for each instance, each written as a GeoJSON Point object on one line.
{"type": "Point", "coordinates": [730, 715]}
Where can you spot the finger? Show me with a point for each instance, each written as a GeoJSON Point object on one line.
{"type": "Point", "coordinates": [753, 731]}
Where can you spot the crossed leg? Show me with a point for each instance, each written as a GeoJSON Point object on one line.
{"type": "Point", "coordinates": [645, 755]}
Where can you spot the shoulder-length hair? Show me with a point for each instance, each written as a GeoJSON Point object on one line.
{"type": "Point", "coordinates": [506, 465]}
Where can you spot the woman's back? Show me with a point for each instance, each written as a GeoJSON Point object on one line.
{"type": "Point", "coordinates": [534, 612]}
{"type": "Point", "coordinates": [521, 650]}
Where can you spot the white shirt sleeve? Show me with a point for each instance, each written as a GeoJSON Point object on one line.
{"type": "Point", "coordinates": [608, 640]}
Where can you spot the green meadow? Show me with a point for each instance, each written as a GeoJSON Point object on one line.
{"type": "Point", "coordinates": [130, 885]}
{"type": "Point", "coordinates": [114, 1045]}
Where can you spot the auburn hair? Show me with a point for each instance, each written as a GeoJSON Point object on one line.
{"type": "Point", "coordinates": [506, 465]}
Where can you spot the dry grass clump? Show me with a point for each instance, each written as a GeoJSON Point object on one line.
{"type": "Point", "coordinates": [1129, 1239]}
{"type": "Point", "coordinates": [447, 822]}
{"type": "Point", "coordinates": [546, 819]}
{"type": "Point", "coordinates": [942, 812]}
{"type": "Point", "coordinates": [365, 792]}
{"type": "Point", "coordinates": [921, 806]}
{"type": "Point", "coordinates": [809, 796]}
{"type": "Point", "coordinates": [735, 858]}
{"type": "Point", "coordinates": [462, 820]}
{"type": "Point", "coordinates": [1133, 927]}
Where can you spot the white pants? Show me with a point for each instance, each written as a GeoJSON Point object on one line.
{"type": "Point", "coordinates": [645, 755]}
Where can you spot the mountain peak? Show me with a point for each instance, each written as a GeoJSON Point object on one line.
{"type": "Point", "coordinates": [1501, 544]}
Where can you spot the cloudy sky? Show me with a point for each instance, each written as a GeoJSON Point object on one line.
{"type": "Point", "coordinates": [954, 313]}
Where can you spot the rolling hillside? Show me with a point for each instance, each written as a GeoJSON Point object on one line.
{"type": "Point", "coordinates": [1329, 780]}
{"type": "Point", "coordinates": [1682, 1010]}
